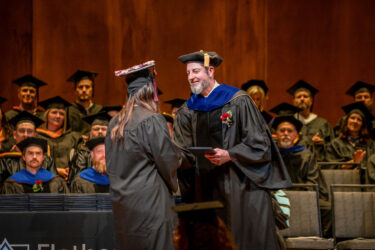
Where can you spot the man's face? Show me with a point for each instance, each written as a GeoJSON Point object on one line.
{"type": "Point", "coordinates": [98, 130]}
{"type": "Point", "coordinates": [84, 90]}
{"type": "Point", "coordinates": [24, 130]}
{"type": "Point", "coordinates": [33, 157]}
{"type": "Point", "coordinates": [27, 95]}
{"type": "Point", "coordinates": [56, 117]}
{"type": "Point", "coordinates": [198, 76]}
{"type": "Point", "coordinates": [364, 97]}
{"type": "Point", "coordinates": [302, 100]}
{"type": "Point", "coordinates": [355, 122]}
{"type": "Point", "coordinates": [286, 135]}
{"type": "Point", "coordinates": [98, 159]}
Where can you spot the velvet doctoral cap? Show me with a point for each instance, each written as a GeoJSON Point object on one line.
{"type": "Point", "coordinates": [32, 141]}
{"type": "Point", "coordinates": [301, 85]}
{"type": "Point", "coordinates": [360, 87]}
{"type": "Point", "coordinates": [92, 143]}
{"type": "Point", "coordinates": [251, 83]}
{"type": "Point", "coordinates": [207, 58]}
{"type": "Point", "coordinates": [54, 102]}
{"type": "Point", "coordinates": [29, 81]}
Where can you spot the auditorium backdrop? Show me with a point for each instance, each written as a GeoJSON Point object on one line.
{"type": "Point", "coordinates": [328, 43]}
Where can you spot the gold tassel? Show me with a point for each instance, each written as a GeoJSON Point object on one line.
{"type": "Point", "coordinates": [206, 60]}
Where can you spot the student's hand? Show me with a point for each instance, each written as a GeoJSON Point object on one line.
{"type": "Point", "coordinates": [358, 155]}
{"type": "Point", "coordinates": [63, 172]}
{"type": "Point", "coordinates": [220, 157]}
{"type": "Point", "coordinates": [317, 139]}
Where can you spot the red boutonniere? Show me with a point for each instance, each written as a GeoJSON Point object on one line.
{"type": "Point", "coordinates": [226, 118]}
{"type": "Point", "coordinates": [38, 186]}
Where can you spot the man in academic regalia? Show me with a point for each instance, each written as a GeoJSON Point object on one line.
{"type": "Point", "coordinates": [28, 88]}
{"type": "Point", "coordinates": [82, 157]}
{"type": "Point", "coordinates": [300, 161]}
{"type": "Point", "coordinates": [316, 131]}
{"type": "Point", "coordinates": [11, 162]}
{"type": "Point", "coordinates": [34, 178]}
{"type": "Point", "coordinates": [95, 178]}
{"type": "Point", "coordinates": [83, 106]}
{"type": "Point", "coordinates": [361, 92]}
{"type": "Point", "coordinates": [244, 163]}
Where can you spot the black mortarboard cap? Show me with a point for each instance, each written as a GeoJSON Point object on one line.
{"type": "Point", "coordinates": [285, 109]}
{"type": "Point", "coordinates": [92, 143]}
{"type": "Point", "coordinates": [137, 76]}
{"type": "Point", "coordinates": [197, 210]}
{"type": "Point", "coordinates": [30, 81]}
{"type": "Point", "coordinates": [168, 117]}
{"type": "Point", "coordinates": [25, 116]}
{"type": "Point", "coordinates": [360, 108]}
{"type": "Point", "coordinates": [101, 118]}
{"type": "Point", "coordinates": [251, 83]}
{"type": "Point", "coordinates": [287, 118]}
{"type": "Point", "coordinates": [176, 103]}
{"type": "Point", "coordinates": [54, 102]}
{"type": "Point", "coordinates": [81, 74]}
{"type": "Point", "coordinates": [2, 100]}
{"type": "Point", "coordinates": [112, 108]}
{"type": "Point", "coordinates": [207, 58]}
{"type": "Point", "coordinates": [360, 87]}
{"type": "Point", "coordinates": [301, 85]}
{"type": "Point", "coordinates": [33, 141]}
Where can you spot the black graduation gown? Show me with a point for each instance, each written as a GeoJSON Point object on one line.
{"type": "Point", "coordinates": [81, 161]}
{"type": "Point", "coordinates": [142, 175]}
{"type": "Point", "coordinates": [56, 185]}
{"type": "Point", "coordinates": [302, 168]}
{"type": "Point", "coordinates": [75, 114]}
{"type": "Point", "coordinates": [241, 185]}
{"type": "Point", "coordinates": [80, 185]}
{"type": "Point", "coordinates": [11, 163]}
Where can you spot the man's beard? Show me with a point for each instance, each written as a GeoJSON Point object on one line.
{"type": "Point", "coordinates": [100, 167]}
{"type": "Point", "coordinates": [285, 142]}
{"type": "Point", "coordinates": [198, 88]}
{"type": "Point", "coordinates": [303, 106]}
{"type": "Point", "coordinates": [84, 97]}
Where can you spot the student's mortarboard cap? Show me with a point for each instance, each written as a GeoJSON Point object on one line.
{"type": "Point", "coordinates": [285, 109]}
{"type": "Point", "coordinates": [112, 108]}
{"type": "Point", "coordinates": [92, 143]}
{"type": "Point", "coordinates": [29, 81]}
{"type": "Point", "coordinates": [25, 116]}
{"type": "Point", "coordinates": [176, 103]}
{"type": "Point", "coordinates": [54, 102]}
{"type": "Point", "coordinates": [2, 100]}
{"type": "Point", "coordinates": [360, 87]}
{"type": "Point", "coordinates": [32, 141]}
{"type": "Point", "coordinates": [251, 83]}
{"type": "Point", "coordinates": [207, 58]}
{"type": "Point", "coordinates": [168, 117]}
{"type": "Point", "coordinates": [285, 112]}
{"type": "Point", "coordinates": [361, 109]}
{"type": "Point", "coordinates": [82, 74]}
{"type": "Point", "coordinates": [301, 85]}
{"type": "Point", "coordinates": [137, 76]}
{"type": "Point", "coordinates": [101, 118]}
{"type": "Point", "coordinates": [197, 210]}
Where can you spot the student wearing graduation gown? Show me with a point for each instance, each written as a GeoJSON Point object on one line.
{"type": "Point", "coordinates": [11, 162]}
{"type": "Point", "coordinates": [245, 164]}
{"type": "Point", "coordinates": [62, 142]}
{"type": "Point", "coordinates": [5, 138]}
{"type": "Point", "coordinates": [27, 92]}
{"type": "Point", "coordinates": [82, 157]}
{"type": "Point", "coordinates": [83, 105]}
{"type": "Point", "coordinates": [141, 165]}
{"type": "Point", "coordinates": [95, 178]}
{"type": "Point", "coordinates": [353, 144]}
{"type": "Point", "coordinates": [316, 131]}
{"type": "Point", "coordinates": [361, 92]}
{"type": "Point", "coordinates": [258, 91]}
{"type": "Point", "coordinates": [34, 178]}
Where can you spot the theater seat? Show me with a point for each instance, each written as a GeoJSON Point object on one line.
{"type": "Point", "coordinates": [341, 176]}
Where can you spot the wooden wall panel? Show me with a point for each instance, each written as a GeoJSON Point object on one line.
{"type": "Point", "coordinates": [326, 42]}
{"type": "Point", "coordinates": [15, 46]}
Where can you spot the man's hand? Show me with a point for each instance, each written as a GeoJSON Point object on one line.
{"type": "Point", "coordinates": [317, 139]}
{"type": "Point", "coordinates": [220, 157]}
{"type": "Point", "coordinates": [63, 172]}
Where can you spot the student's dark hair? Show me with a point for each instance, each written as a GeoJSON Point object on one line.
{"type": "Point", "coordinates": [144, 97]}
